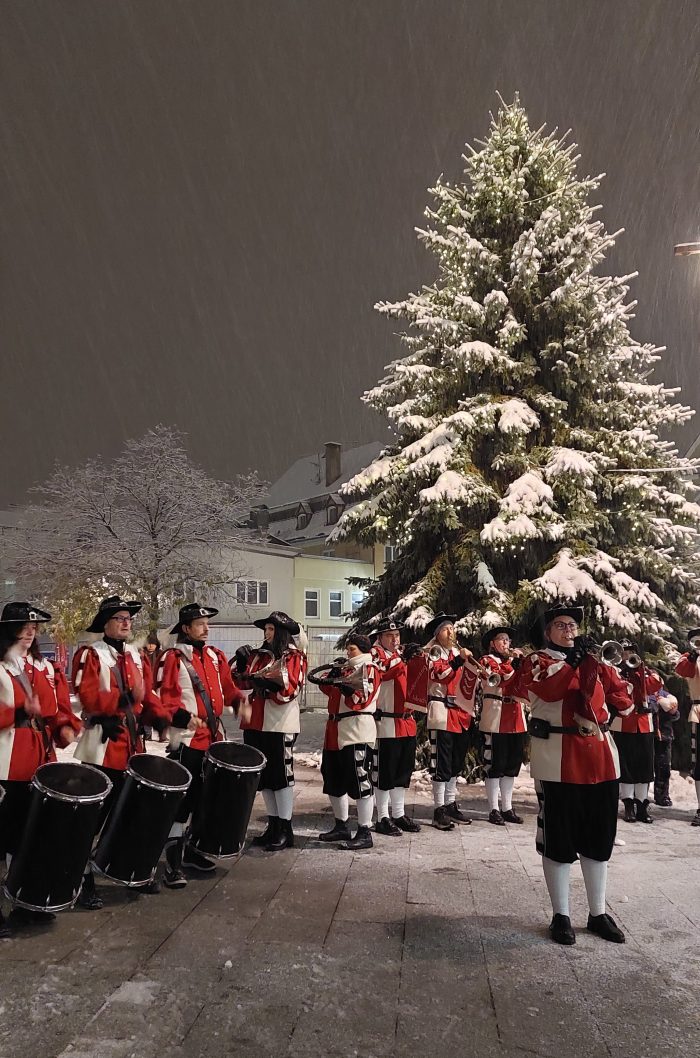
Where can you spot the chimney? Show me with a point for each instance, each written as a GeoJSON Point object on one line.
{"type": "Point", "coordinates": [334, 451]}
{"type": "Point", "coordinates": [262, 518]}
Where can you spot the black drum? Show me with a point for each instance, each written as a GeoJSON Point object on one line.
{"type": "Point", "coordinates": [137, 829]}
{"type": "Point", "coordinates": [231, 777]}
{"type": "Point", "coordinates": [64, 812]}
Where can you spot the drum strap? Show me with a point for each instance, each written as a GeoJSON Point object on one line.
{"type": "Point", "coordinates": [129, 718]}
{"type": "Point", "coordinates": [37, 722]}
{"type": "Point", "coordinates": [201, 690]}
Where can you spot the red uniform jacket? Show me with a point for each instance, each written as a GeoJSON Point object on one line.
{"type": "Point", "coordinates": [564, 697]}
{"type": "Point", "coordinates": [182, 700]}
{"type": "Point", "coordinates": [450, 691]}
{"type": "Point", "coordinates": [501, 712]}
{"type": "Point", "coordinates": [391, 697]}
{"type": "Point", "coordinates": [359, 726]}
{"type": "Point", "coordinates": [100, 696]}
{"type": "Point", "coordinates": [24, 746]}
{"type": "Point", "coordinates": [630, 720]}
{"type": "Point", "coordinates": [690, 671]}
{"type": "Point", "coordinates": [276, 711]}
{"type": "Point", "coordinates": [65, 717]}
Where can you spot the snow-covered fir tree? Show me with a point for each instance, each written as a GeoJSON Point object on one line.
{"type": "Point", "coordinates": [520, 402]}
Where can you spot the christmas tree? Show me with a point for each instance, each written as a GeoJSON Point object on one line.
{"type": "Point", "coordinates": [526, 464]}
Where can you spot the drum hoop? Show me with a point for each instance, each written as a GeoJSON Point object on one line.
{"type": "Point", "coordinates": [90, 799]}
{"type": "Point", "coordinates": [120, 881]}
{"type": "Point", "coordinates": [236, 767]}
{"type": "Point", "coordinates": [155, 785]}
{"type": "Point", "coordinates": [37, 907]}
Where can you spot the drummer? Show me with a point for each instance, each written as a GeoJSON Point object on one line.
{"type": "Point", "coordinates": [115, 691]}
{"type": "Point", "coordinates": [194, 684]}
{"type": "Point", "coordinates": [270, 718]}
{"type": "Point", "coordinates": [29, 716]}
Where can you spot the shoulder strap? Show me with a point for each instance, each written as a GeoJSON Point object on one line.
{"type": "Point", "coordinates": [203, 693]}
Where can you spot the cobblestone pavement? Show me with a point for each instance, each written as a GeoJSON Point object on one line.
{"type": "Point", "coordinates": [428, 944]}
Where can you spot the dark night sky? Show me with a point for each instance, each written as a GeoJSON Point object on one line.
{"type": "Point", "coordinates": [202, 200]}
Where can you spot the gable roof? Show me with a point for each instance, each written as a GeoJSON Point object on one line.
{"type": "Point", "coordinates": [306, 478]}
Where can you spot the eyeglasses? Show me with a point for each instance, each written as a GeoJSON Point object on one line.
{"type": "Point", "coordinates": [123, 620]}
{"type": "Point", "coordinates": [564, 626]}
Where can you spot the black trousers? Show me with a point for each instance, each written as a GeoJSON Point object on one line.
{"type": "Point", "coordinates": [193, 760]}
{"type": "Point", "coordinates": [574, 820]}
{"type": "Point", "coordinates": [662, 767]}
{"type": "Point", "coordinates": [14, 812]}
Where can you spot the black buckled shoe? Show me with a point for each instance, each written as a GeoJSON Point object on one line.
{"type": "Point", "coordinates": [441, 820]}
{"type": "Point", "coordinates": [405, 823]}
{"type": "Point", "coordinates": [630, 815]}
{"type": "Point", "coordinates": [511, 816]}
{"type": "Point", "coordinates": [561, 930]}
{"type": "Point", "coordinates": [285, 837]}
{"type": "Point", "coordinates": [496, 818]}
{"type": "Point", "coordinates": [452, 811]}
{"type": "Point", "coordinates": [194, 859]}
{"type": "Point", "coordinates": [339, 832]}
{"type": "Point", "coordinates": [153, 887]}
{"type": "Point", "coordinates": [88, 897]}
{"type": "Point", "coordinates": [270, 833]}
{"type": "Point", "coordinates": [643, 815]}
{"type": "Point", "coordinates": [387, 827]}
{"type": "Point", "coordinates": [605, 926]}
{"type": "Point", "coordinates": [362, 840]}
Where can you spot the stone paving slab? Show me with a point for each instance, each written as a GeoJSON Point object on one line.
{"type": "Point", "coordinates": [434, 943]}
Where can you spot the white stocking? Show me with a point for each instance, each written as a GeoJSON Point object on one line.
{"type": "Point", "coordinates": [270, 802]}
{"type": "Point", "coordinates": [493, 787]}
{"type": "Point", "coordinates": [626, 790]}
{"type": "Point", "coordinates": [641, 791]}
{"type": "Point", "coordinates": [398, 802]}
{"type": "Point", "coordinates": [595, 873]}
{"type": "Point", "coordinates": [439, 794]}
{"type": "Point", "coordinates": [340, 806]}
{"type": "Point", "coordinates": [382, 799]}
{"type": "Point", "coordinates": [285, 802]}
{"type": "Point", "coordinates": [451, 790]}
{"type": "Point", "coordinates": [556, 875]}
{"type": "Point", "coordinates": [365, 807]}
{"type": "Point", "coordinates": [697, 791]}
{"type": "Point", "coordinates": [507, 783]}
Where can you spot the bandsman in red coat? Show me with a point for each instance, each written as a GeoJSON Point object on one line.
{"type": "Point", "coordinates": [116, 695]}
{"type": "Point", "coordinates": [349, 742]}
{"type": "Point", "coordinates": [450, 714]}
{"type": "Point", "coordinates": [689, 668]}
{"type": "Point", "coordinates": [633, 731]}
{"type": "Point", "coordinates": [272, 679]}
{"type": "Point", "coordinates": [575, 766]}
{"type": "Point", "coordinates": [502, 723]}
{"type": "Point", "coordinates": [194, 684]}
{"type": "Point", "coordinates": [30, 718]}
{"type": "Point", "coordinates": [394, 757]}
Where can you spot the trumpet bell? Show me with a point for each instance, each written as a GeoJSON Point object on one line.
{"type": "Point", "coordinates": [695, 643]}
{"type": "Point", "coordinates": [493, 680]}
{"type": "Point", "coordinates": [611, 652]}
{"type": "Point", "coordinates": [633, 661]}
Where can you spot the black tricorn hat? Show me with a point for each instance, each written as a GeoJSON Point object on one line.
{"type": "Point", "coordinates": [439, 619]}
{"type": "Point", "coordinates": [280, 620]}
{"type": "Point", "coordinates": [361, 642]}
{"type": "Point", "coordinates": [387, 624]}
{"type": "Point", "coordinates": [108, 607]}
{"type": "Point", "coordinates": [189, 613]}
{"type": "Point", "coordinates": [551, 614]}
{"type": "Point", "coordinates": [491, 633]}
{"type": "Point", "coordinates": [23, 612]}
{"type": "Point", "coordinates": [693, 632]}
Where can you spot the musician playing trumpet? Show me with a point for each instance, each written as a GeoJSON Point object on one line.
{"type": "Point", "coordinates": [450, 713]}
{"type": "Point", "coordinates": [502, 723]}
{"type": "Point", "coordinates": [351, 689]}
{"type": "Point", "coordinates": [689, 668]}
{"type": "Point", "coordinates": [632, 728]}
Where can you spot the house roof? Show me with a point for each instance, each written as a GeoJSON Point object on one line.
{"type": "Point", "coordinates": [306, 478]}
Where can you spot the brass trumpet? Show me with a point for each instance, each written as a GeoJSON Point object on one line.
{"type": "Point", "coordinates": [695, 643]}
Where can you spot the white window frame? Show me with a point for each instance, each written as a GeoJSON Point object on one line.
{"type": "Point", "coordinates": [246, 601]}
{"type": "Point", "coordinates": [317, 593]}
{"type": "Point", "coordinates": [394, 552]}
{"type": "Point", "coordinates": [341, 593]}
{"type": "Point", "coordinates": [356, 600]}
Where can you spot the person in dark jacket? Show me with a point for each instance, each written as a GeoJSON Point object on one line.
{"type": "Point", "coordinates": [668, 714]}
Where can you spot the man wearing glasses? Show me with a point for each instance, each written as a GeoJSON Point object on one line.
{"type": "Point", "coordinates": [575, 766]}
{"type": "Point", "coordinates": [113, 687]}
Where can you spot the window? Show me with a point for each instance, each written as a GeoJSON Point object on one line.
{"type": "Point", "coordinates": [303, 515]}
{"type": "Point", "coordinates": [310, 602]}
{"type": "Point", "coordinates": [335, 603]}
{"type": "Point", "coordinates": [391, 552]}
{"type": "Point", "coordinates": [332, 514]}
{"type": "Point", "coordinates": [358, 597]}
{"type": "Point", "coordinates": [251, 592]}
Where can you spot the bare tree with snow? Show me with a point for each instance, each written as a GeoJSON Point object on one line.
{"type": "Point", "coordinates": [150, 525]}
